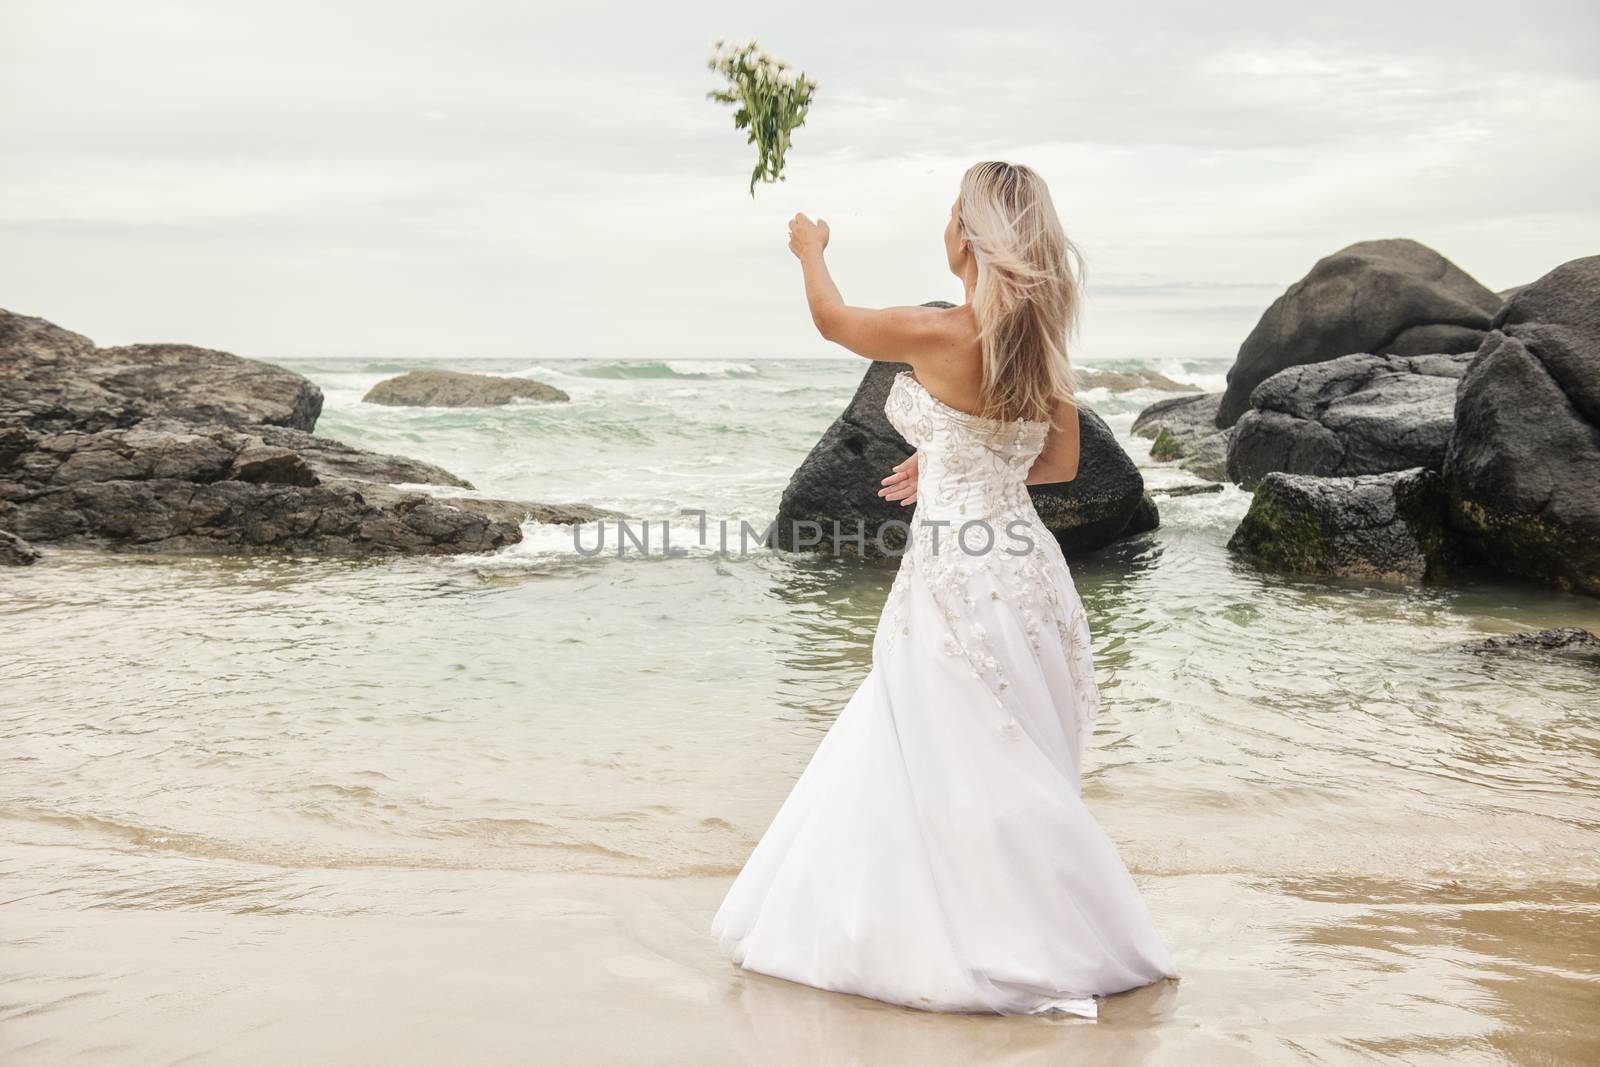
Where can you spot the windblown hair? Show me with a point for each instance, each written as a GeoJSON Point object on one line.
{"type": "Point", "coordinates": [1029, 289]}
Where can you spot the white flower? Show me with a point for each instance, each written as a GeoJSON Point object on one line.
{"type": "Point", "coordinates": [786, 78]}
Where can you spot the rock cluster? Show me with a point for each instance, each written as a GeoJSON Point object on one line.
{"type": "Point", "coordinates": [180, 449]}
{"type": "Point", "coordinates": [1488, 457]}
{"type": "Point", "coordinates": [1390, 297]}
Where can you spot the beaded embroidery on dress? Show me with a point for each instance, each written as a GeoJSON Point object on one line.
{"type": "Point", "coordinates": [935, 852]}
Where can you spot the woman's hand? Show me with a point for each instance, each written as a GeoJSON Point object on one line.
{"type": "Point", "coordinates": [806, 236]}
{"type": "Point", "coordinates": [902, 484]}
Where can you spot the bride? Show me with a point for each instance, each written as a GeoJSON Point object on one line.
{"type": "Point", "coordinates": [935, 852]}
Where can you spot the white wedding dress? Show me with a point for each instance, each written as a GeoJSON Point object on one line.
{"type": "Point", "coordinates": [935, 852]}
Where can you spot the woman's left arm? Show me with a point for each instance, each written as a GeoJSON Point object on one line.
{"type": "Point", "coordinates": [1058, 462]}
{"type": "Point", "coordinates": [896, 334]}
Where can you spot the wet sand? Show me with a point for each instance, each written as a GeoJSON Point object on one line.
{"type": "Point", "coordinates": [567, 969]}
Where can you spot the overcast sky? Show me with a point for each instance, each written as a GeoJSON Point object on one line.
{"type": "Point", "coordinates": [395, 179]}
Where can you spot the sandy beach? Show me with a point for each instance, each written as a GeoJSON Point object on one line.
{"type": "Point", "coordinates": [588, 969]}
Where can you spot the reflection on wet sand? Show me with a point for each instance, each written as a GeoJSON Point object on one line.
{"type": "Point", "coordinates": [770, 1021]}
{"type": "Point", "coordinates": [418, 967]}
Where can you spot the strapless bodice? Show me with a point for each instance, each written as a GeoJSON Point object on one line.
{"type": "Point", "coordinates": [969, 467]}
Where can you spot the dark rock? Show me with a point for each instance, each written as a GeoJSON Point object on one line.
{"type": "Point", "coordinates": [15, 552]}
{"type": "Point", "coordinates": [237, 517]}
{"type": "Point", "coordinates": [1208, 457]}
{"type": "Point", "coordinates": [454, 389]}
{"type": "Point", "coordinates": [1182, 416]}
{"type": "Point", "coordinates": [1089, 513]}
{"type": "Point", "coordinates": [176, 490]}
{"type": "Point", "coordinates": [839, 480]}
{"type": "Point", "coordinates": [181, 449]}
{"type": "Point", "coordinates": [58, 380]}
{"type": "Point", "coordinates": [1523, 465]}
{"type": "Point", "coordinates": [265, 465]}
{"type": "Point", "coordinates": [1188, 490]}
{"type": "Point", "coordinates": [1358, 414]}
{"type": "Point", "coordinates": [836, 486]}
{"type": "Point", "coordinates": [1185, 429]}
{"type": "Point", "coordinates": [1388, 526]}
{"type": "Point", "coordinates": [333, 459]}
{"type": "Point", "coordinates": [1566, 641]}
{"type": "Point", "coordinates": [520, 511]}
{"type": "Point", "coordinates": [1390, 297]}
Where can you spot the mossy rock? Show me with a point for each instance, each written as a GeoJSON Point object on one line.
{"type": "Point", "coordinates": [1166, 447]}
{"type": "Point", "coordinates": [1384, 527]}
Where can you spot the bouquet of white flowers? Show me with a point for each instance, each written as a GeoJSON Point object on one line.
{"type": "Point", "coordinates": [772, 99]}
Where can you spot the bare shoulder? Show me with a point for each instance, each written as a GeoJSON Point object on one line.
{"type": "Point", "coordinates": [935, 323]}
{"type": "Point", "coordinates": [959, 324]}
{"type": "Point", "coordinates": [948, 332]}
{"type": "Point", "coordinates": [1066, 414]}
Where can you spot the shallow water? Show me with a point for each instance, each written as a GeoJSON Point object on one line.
{"type": "Point", "coordinates": [1359, 841]}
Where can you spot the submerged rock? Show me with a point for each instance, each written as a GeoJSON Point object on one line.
{"type": "Point", "coordinates": [1188, 490]}
{"type": "Point", "coordinates": [1122, 381]}
{"type": "Point", "coordinates": [1523, 464]}
{"type": "Point", "coordinates": [1390, 297]}
{"type": "Point", "coordinates": [1184, 428]}
{"type": "Point", "coordinates": [1388, 526]}
{"type": "Point", "coordinates": [520, 511]}
{"type": "Point", "coordinates": [1357, 414]}
{"type": "Point", "coordinates": [1566, 641]}
{"type": "Point", "coordinates": [455, 389]}
{"type": "Point", "coordinates": [15, 552]}
{"type": "Point", "coordinates": [838, 483]}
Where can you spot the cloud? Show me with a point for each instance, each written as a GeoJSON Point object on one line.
{"type": "Point", "coordinates": [399, 179]}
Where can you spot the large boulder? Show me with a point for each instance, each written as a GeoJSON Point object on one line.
{"type": "Point", "coordinates": [1390, 297]}
{"type": "Point", "coordinates": [838, 484]}
{"type": "Point", "coordinates": [1184, 428]}
{"type": "Point", "coordinates": [58, 380]}
{"type": "Point", "coordinates": [1388, 526]}
{"type": "Point", "coordinates": [1357, 414]}
{"type": "Point", "coordinates": [1523, 464]}
{"type": "Point", "coordinates": [455, 389]}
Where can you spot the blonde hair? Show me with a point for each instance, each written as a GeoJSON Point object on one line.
{"type": "Point", "coordinates": [1029, 289]}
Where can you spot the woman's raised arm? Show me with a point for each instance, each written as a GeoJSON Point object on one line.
{"type": "Point", "coordinates": [897, 334]}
